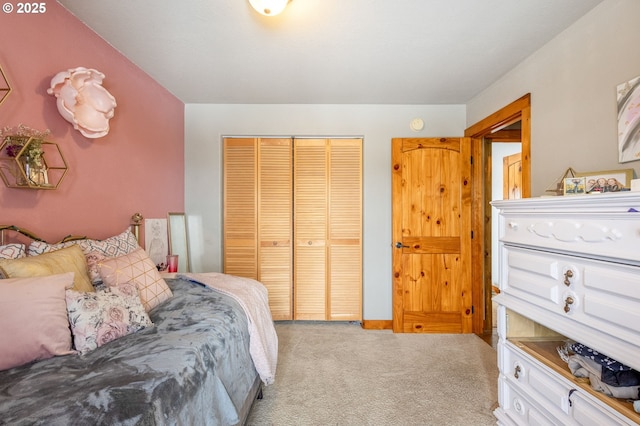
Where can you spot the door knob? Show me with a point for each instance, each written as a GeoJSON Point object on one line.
{"type": "Point", "coordinates": [400, 245]}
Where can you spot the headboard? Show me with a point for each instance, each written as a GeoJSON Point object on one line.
{"type": "Point", "coordinates": [8, 235]}
{"type": "Point", "coordinates": [13, 233]}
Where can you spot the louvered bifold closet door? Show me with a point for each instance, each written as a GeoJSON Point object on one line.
{"type": "Point", "coordinates": [310, 228]}
{"type": "Point", "coordinates": [240, 234]}
{"type": "Point", "coordinates": [275, 224]}
{"type": "Point", "coordinates": [327, 229]}
{"type": "Point", "coordinates": [345, 229]}
{"type": "Point", "coordinates": [258, 216]}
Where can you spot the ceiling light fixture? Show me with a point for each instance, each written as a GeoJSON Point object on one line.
{"type": "Point", "coordinates": [269, 7]}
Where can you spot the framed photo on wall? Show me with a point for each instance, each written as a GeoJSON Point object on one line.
{"type": "Point", "coordinates": [607, 180]}
{"type": "Point", "coordinates": [628, 97]}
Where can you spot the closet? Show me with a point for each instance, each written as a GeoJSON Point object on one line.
{"type": "Point", "coordinates": [292, 219]}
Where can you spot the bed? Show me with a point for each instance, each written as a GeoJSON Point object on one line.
{"type": "Point", "coordinates": [203, 360]}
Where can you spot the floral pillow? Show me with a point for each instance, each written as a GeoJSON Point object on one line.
{"type": "Point", "coordinates": [94, 257]}
{"type": "Point", "coordinates": [103, 316]}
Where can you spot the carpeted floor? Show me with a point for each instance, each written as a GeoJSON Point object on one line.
{"type": "Point", "coordinates": [340, 374]}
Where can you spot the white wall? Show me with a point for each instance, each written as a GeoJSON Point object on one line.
{"type": "Point", "coordinates": [572, 81]}
{"type": "Point", "coordinates": [205, 125]}
{"type": "Point", "coordinates": [498, 152]}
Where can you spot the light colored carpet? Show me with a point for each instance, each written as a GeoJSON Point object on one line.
{"type": "Point", "coordinates": [340, 374]}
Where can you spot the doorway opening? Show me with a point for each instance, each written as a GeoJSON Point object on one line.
{"type": "Point", "coordinates": [503, 154]}
{"type": "Point", "coordinates": [509, 124]}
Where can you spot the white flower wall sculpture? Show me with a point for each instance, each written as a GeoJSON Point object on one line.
{"type": "Point", "coordinates": [82, 100]}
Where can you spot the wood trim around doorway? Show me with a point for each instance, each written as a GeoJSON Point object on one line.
{"type": "Point", "coordinates": [519, 110]}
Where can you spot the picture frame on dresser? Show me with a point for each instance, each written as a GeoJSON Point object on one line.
{"type": "Point", "coordinates": [607, 180]}
{"type": "Point", "coordinates": [575, 185]}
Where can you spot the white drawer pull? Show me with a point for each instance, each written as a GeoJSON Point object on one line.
{"type": "Point", "coordinates": [518, 406]}
{"type": "Point", "coordinates": [513, 225]}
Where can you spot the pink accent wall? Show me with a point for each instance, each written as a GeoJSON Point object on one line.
{"type": "Point", "coordinates": [137, 167]}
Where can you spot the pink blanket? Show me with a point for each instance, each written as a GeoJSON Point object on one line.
{"type": "Point", "coordinates": [252, 296]}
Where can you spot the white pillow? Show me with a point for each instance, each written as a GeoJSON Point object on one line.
{"type": "Point", "coordinates": [12, 251]}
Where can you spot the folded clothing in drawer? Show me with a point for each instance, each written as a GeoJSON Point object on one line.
{"type": "Point", "coordinates": [605, 374]}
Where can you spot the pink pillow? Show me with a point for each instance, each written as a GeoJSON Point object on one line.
{"type": "Point", "coordinates": [33, 319]}
{"type": "Point", "coordinates": [136, 267]}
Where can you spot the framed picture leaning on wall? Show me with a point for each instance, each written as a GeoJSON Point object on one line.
{"type": "Point", "coordinates": [156, 240]}
{"type": "Point", "coordinates": [607, 180]}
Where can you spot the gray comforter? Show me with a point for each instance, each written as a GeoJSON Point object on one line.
{"type": "Point", "coordinates": [192, 367]}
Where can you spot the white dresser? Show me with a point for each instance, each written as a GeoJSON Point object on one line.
{"type": "Point", "coordinates": [569, 269]}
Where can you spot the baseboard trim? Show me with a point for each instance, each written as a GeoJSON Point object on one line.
{"type": "Point", "coordinates": [377, 324]}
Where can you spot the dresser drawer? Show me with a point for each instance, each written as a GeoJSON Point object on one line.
{"type": "Point", "coordinates": [602, 296]}
{"type": "Point", "coordinates": [531, 378]}
{"type": "Point", "coordinates": [611, 298]}
{"type": "Point", "coordinates": [611, 236]}
{"type": "Point", "coordinates": [534, 276]}
{"type": "Point", "coordinates": [517, 409]}
{"type": "Point", "coordinates": [534, 393]}
{"type": "Point", "coordinates": [589, 413]}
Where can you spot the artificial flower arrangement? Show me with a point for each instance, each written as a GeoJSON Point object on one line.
{"type": "Point", "coordinates": [17, 137]}
{"type": "Point", "coordinates": [24, 145]}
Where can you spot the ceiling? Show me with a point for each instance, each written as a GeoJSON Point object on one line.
{"type": "Point", "coordinates": [328, 51]}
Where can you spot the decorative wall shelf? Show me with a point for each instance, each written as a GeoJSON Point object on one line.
{"type": "Point", "coordinates": [5, 88]}
{"type": "Point", "coordinates": [17, 170]}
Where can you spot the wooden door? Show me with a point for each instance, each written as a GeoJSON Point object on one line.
{"type": "Point", "coordinates": [512, 176]}
{"type": "Point", "coordinates": [324, 279]}
{"type": "Point", "coordinates": [275, 224]}
{"type": "Point", "coordinates": [240, 230]}
{"type": "Point", "coordinates": [257, 215]}
{"type": "Point", "coordinates": [310, 228]}
{"type": "Point", "coordinates": [328, 229]}
{"type": "Point", "coordinates": [431, 231]}
{"type": "Point", "coordinates": [344, 230]}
